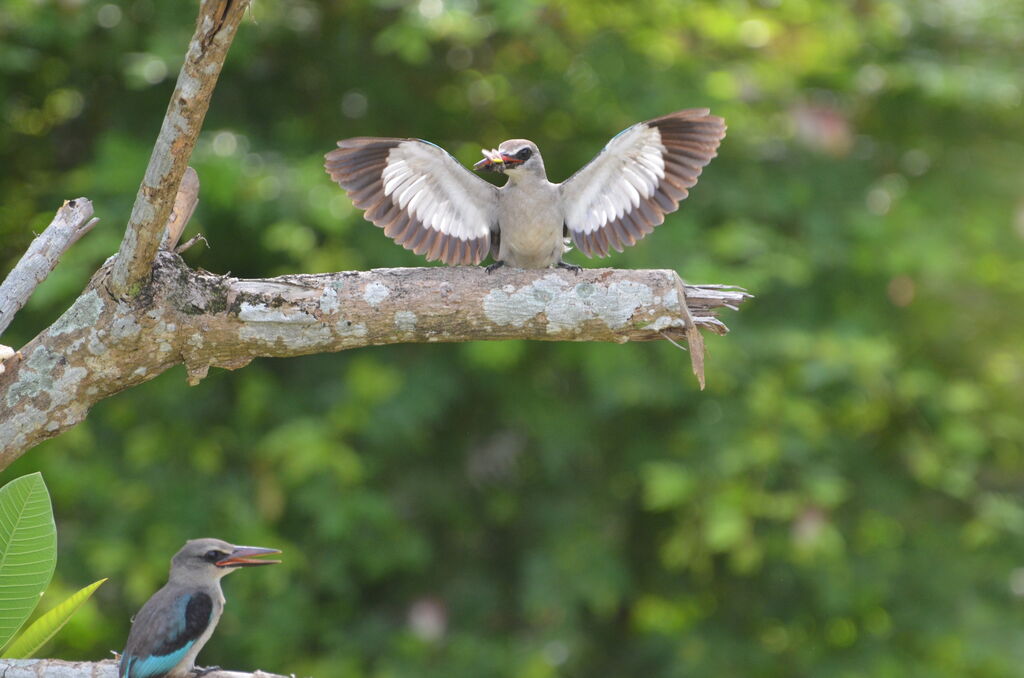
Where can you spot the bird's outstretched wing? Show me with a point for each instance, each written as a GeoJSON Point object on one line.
{"type": "Point", "coordinates": [419, 194]}
{"type": "Point", "coordinates": [164, 631]}
{"type": "Point", "coordinates": [640, 176]}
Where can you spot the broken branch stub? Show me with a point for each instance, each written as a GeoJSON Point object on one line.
{"type": "Point", "coordinates": [184, 206]}
{"type": "Point", "coordinates": [72, 221]}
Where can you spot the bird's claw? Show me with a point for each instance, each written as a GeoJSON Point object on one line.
{"type": "Point", "coordinates": [569, 267]}
{"type": "Point", "coordinates": [495, 266]}
{"type": "Point", "coordinates": [199, 673]}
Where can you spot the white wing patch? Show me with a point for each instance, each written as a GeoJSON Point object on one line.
{"type": "Point", "coordinates": [419, 195]}
{"type": "Point", "coordinates": [640, 176]}
{"type": "Point", "coordinates": [628, 171]}
{"type": "Point", "coordinates": [427, 189]}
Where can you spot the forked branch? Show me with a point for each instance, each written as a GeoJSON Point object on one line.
{"type": "Point", "coordinates": [215, 28]}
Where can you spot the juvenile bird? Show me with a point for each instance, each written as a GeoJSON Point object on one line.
{"type": "Point", "coordinates": [173, 625]}
{"type": "Point", "coordinates": [429, 203]}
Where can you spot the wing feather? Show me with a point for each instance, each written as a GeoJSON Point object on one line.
{"type": "Point", "coordinates": [164, 630]}
{"type": "Point", "coordinates": [419, 194]}
{"type": "Point", "coordinates": [640, 176]}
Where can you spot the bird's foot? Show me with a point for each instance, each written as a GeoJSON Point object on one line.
{"type": "Point", "coordinates": [495, 266]}
{"type": "Point", "coordinates": [199, 673]}
{"type": "Point", "coordinates": [569, 267]}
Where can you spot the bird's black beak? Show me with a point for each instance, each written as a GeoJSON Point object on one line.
{"type": "Point", "coordinates": [245, 556]}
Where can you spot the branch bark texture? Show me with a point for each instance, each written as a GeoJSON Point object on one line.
{"type": "Point", "coordinates": [103, 345]}
{"type": "Point", "coordinates": [72, 221]}
{"type": "Point", "coordinates": [215, 29]}
{"type": "Point", "coordinates": [55, 668]}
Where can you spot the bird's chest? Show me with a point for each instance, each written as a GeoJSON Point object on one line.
{"type": "Point", "coordinates": [531, 228]}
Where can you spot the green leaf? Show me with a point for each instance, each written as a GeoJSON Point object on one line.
{"type": "Point", "coordinates": [28, 550]}
{"type": "Point", "coordinates": [44, 628]}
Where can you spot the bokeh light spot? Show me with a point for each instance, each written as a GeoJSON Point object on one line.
{"type": "Point", "coordinates": [902, 290]}
{"type": "Point", "coordinates": [755, 33]}
{"type": "Point", "coordinates": [225, 143]}
{"type": "Point", "coordinates": [108, 16]}
{"type": "Point", "coordinates": [354, 104]}
{"type": "Point", "coordinates": [431, 9]}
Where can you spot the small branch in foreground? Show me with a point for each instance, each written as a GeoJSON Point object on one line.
{"type": "Point", "coordinates": [215, 28]}
{"type": "Point", "coordinates": [55, 668]}
{"type": "Point", "coordinates": [102, 345]}
{"type": "Point", "coordinates": [72, 221]}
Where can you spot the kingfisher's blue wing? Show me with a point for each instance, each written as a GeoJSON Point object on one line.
{"type": "Point", "coordinates": [165, 629]}
{"type": "Point", "coordinates": [154, 665]}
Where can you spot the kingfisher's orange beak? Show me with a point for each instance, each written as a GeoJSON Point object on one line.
{"type": "Point", "coordinates": [245, 556]}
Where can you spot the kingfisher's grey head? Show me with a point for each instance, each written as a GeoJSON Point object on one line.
{"type": "Point", "coordinates": [515, 157]}
{"type": "Point", "coordinates": [205, 559]}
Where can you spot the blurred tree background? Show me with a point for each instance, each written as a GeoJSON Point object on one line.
{"type": "Point", "coordinates": [845, 499]}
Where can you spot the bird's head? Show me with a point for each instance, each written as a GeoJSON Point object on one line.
{"type": "Point", "coordinates": [214, 558]}
{"type": "Point", "coordinates": [513, 157]}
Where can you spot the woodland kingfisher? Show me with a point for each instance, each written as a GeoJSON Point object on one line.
{"type": "Point", "coordinates": [174, 625]}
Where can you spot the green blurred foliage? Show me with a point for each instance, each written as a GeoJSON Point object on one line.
{"type": "Point", "coordinates": [844, 500]}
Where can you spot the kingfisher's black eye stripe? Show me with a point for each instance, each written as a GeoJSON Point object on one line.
{"type": "Point", "coordinates": [524, 154]}
{"type": "Point", "coordinates": [213, 556]}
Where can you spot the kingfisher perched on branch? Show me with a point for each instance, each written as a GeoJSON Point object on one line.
{"type": "Point", "coordinates": [429, 203]}
{"type": "Point", "coordinates": [174, 625]}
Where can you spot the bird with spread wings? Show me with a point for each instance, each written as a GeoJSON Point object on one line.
{"type": "Point", "coordinates": [426, 201]}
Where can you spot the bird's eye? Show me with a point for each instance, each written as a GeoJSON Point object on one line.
{"type": "Point", "coordinates": [213, 555]}
{"type": "Point", "coordinates": [524, 154]}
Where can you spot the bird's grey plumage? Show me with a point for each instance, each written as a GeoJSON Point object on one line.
{"type": "Point", "coordinates": [530, 224]}
{"type": "Point", "coordinates": [424, 199]}
{"type": "Point", "coordinates": [177, 621]}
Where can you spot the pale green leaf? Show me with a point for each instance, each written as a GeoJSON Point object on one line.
{"type": "Point", "coordinates": [44, 628]}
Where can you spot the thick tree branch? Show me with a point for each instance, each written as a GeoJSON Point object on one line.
{"type": "Point", "coordinates": [72, 221]}
{"type": "Point", "coordinates": [55, 668]}
{"type": "Point", "coordinates": [103, 345]}
{"type": "Point", "coordinates": [215, 28]}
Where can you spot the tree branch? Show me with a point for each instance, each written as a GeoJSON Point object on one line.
{"type": "Point", "coordinates": [72, 221]}
{"type": "Point", "coordinates": [103, 345]}
{"type": "Point", "coordinates": [55, 668]}
{"type": "Point", "coordinates": [215, 28]}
